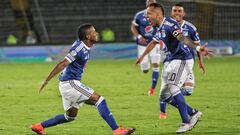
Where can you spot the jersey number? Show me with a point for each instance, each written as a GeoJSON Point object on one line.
{"type": "Point", "coordinates": [173, 76]}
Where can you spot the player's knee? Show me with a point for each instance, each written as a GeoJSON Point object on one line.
{"type": "Point", "coordinates": [155, 69]}
{"type": "Point", "coordinates": [69, 118]}
{"type": "Point", "coordinates": [155, 65]}
{"type": "Point", "coordinates": [145, 71]}
{"type": "Point", "coordinates": [93, 99]}
{"type": "Point", "coordinates": [187, 90]}
{"type": "Point", "coordinates": [100, 100]}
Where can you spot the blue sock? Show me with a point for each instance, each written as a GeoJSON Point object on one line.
{"type": "Point", "coordinates": [182, 107]}
{"type": "Point", "coordinates": [155, 75]}
{"type": "Point", "coordinates": [173, 102]}
{"type": "Point", "coordinates": [105, 113]}
{"type": "Point", "coordinates": [54, 121]}
{"type": "Point", "coordinates": [163, 106]}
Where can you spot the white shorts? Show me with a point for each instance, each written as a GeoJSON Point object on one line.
{"type": "Point", "coordinates": [74, 93]}
{"type": "Point", "coordinates": [175, 72]}
{"type": "Point", "coordinates": [154, 56]}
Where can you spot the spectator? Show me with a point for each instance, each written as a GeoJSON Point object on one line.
{"type": "Point", "coordinates": [108, 35]}
{"type": "Point", "coordinates": [12, 39]}
{"type": "Point", "coordinates": [31, 37]}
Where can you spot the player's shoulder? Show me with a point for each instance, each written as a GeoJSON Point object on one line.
{"type": "Point", "coordinates": [141, 13]}
{"type": "Point", "coordinates": [169, 21]}
{"type": "Point", "coordinates": [77, 45]}
{"type": "Point", "coordinates": [190, 25]}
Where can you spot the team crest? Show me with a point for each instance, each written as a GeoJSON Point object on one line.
{"type": "Point", "coordinates": [185, 33]}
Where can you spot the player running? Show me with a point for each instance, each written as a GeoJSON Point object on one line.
{"type": "Point", "coordinates": [74, 93]}
{"type": "Point", "coordinates": [180, 59]}
{"type": "Point", "coordinates": [188, 30]}
{"type": "Point", "coordinates": [144, 32]}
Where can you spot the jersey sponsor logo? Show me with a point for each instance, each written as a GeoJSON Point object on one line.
{"type": "Point", "coordinates": [149, 29]}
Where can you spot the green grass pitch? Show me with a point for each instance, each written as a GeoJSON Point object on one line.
{"type": "Point", "coordinates": [217, 95]}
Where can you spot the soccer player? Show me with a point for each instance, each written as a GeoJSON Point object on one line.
{"type": "Point", "coordinates": [188, 30]}
{"type": "Point", "coordinates": [179, 58]}
{"type": "Point", "coordinates": [74, 93]}
{"type": "Point", "coordinates": [143, 33]}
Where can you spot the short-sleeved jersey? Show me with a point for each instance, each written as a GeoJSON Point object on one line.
{"type": "Point", "coordinates": [143, 26]}
{"type": "Point", "coordinates": [189, 30]}
{"type": "Point", "coordinates": [78, 56]}
{"type": "Point", "coordinates": [166, 32]}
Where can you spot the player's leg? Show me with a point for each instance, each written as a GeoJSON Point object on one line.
{"type": "Point", "coordinates": [187, 89]}
{"type": "Point", "coordinates": [71, 103]}
{"type": "Point", "coordinates": [164, 92]}
{"type": "Point", "coordinates": [188, 85]}
{"type": "Point", "coordinates": [155, 60]}
{"type": "Point", "coordinates": [176, 77]}
{"type": "Point", "coordinates": [145, 64]}
{"type": "Point", "coordinates": [101, 105]}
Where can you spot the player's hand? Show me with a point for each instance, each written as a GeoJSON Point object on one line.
{"type": "Point", "coordinates": [201, 66]}
{"type": "Point", "coordinates": [205, 51]}
{"type": "Point", "coordinates": [42, 86]}
{"type": "Point", "coordinates": [139, 60]}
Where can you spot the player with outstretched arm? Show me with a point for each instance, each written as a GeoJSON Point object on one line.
{"type": "Point", "coordinates": [74, 93]}
{"type": "Point", "coordinates": [176, 72]}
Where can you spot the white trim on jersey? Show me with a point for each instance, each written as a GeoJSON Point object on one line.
{"type": "Point", "coordinates": [70, 58]}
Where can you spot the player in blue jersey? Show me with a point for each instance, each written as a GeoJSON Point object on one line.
{"type": "Point", "coordinates": [143, 32]}
{"type": "Point", "coordinates": [188, 30]}
{"type": "Point", "coordinates": [74, 93]}
{"type": "Point", "coordinates": [179, 58]}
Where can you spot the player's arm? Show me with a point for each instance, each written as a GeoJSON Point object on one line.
{"type": "Point", "coordinates": [200, 62]}
{"type": "Point", "coordinates": [58, 68]}
{"type": "Point", "coordinates": [189, 42]}
{"type": "Point", "coordinates": [136, 34]}
{"type": "Point", "coordinates": [149, 48]}
{"type": "Point", "coordinates": [134, 30]}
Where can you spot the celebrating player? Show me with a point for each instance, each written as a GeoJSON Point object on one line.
{"type": "Point", "coordinates": [144, 33]}
{"type": "Point", "coordinates": [176, 72]}
{"type": "Point", "coordinates": [188, 30]}
{"type": "Point", "coordinates": [75, 93]}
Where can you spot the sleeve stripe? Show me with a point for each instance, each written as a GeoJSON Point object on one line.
{"type": "Point", "coordinates": [198, 41]}
{"type": "Point", "coordinates": [155, 39]}
{"type": "Point", "coordinates": [70, 58]}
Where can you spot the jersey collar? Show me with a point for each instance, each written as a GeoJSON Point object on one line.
{"type": "Point", "coordinates": [162, 22]}
{"type": "Point", "coordinates": [182, 24]}
{"type": "Point", "coordinates": [85, 45]}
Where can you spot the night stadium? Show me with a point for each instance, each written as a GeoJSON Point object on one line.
{"type": "Point", "coordinates": [104, 77]}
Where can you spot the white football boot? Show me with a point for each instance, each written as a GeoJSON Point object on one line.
{"type": "Point", "coordinates": [184, 127]}
{"type": "Point", "coordinates": [195, 118]}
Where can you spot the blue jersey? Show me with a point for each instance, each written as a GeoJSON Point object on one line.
{"type": "Point", "coordinates": [189, 30]}
{"type": "Point", "coordinates": [166, 32]}
{"type": "Point", "coordinates": [143, 26]}
{"type": "Point", "coordinates": [78, 56]}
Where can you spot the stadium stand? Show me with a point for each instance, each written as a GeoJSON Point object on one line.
{"type": "Point", "coordinates": [7, 21]}
{"type": "Point", "coordinates": [215, 19]}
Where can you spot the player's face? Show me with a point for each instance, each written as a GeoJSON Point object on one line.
{"type": "Point", "coordinates": [178, 13]}
{"type": "Point", "coordinates": [154, 16]}
{"type": "Point", "coordinates": [92, 35]}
